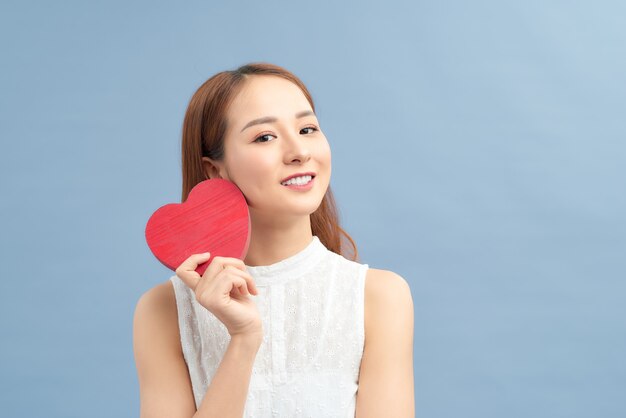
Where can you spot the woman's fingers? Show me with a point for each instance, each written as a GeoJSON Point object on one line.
{"type": "Point", "coordinates": [223, 289]}
{"type": "Point", "coordinates": [221, 281]}
{"type": "Point", "coordinates": [231, 261]}
{"type": "Point", "coordinates": [188, 274]}
{"type": "Point", "coordinates": [220, 263]}
{"type": "Point", "coordinates": [241, 280]}
{"type": "Point", "coordinates": [187, 270]}
{"type": "Point", "coordinates": [240, 286]}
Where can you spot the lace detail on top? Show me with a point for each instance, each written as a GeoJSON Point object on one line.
{"type": "Point", "coordinates": [312, 308]}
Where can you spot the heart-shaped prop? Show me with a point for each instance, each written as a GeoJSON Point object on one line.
{"type": "Point", "coordinates": [214, 218]}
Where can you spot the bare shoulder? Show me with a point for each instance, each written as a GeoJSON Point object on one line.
{"type": "Point", "coordinates": [386, 374]}
{"type": "Point", "coordinates": [379, 280]}
{"type": "Point", "coordinates": [384, 287]}
{"type": "Point", "coordinates": [387, 299]}
{"type": "Point", "coordinates": [158, 306]}
{"type": "Point", "coordinates": [164, 383]}
{"type": "Point", "coordinates": [161, 295]}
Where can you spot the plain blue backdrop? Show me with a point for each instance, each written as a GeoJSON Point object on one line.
{"type": "Point", "coordinates": [478, 151]}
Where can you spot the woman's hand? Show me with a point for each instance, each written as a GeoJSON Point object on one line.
{"type": "Point", "coordinates": [224, 289]}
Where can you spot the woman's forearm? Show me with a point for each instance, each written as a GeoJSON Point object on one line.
{"type": "Point", "coordinates": [228, 391]}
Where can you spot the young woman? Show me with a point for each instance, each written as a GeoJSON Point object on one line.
{"type": "Point", "coordinates": [296, 329]}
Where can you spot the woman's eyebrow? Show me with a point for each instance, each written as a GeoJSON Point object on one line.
{"type": "Point", "coordinates": [268, 119]}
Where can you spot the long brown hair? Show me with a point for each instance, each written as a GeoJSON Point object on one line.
{"type": "Point", "coordinates": [203, 134]}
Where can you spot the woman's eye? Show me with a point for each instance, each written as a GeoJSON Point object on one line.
{"type": "Point", "coordinates": [310, 127]}
{"type": "Point", "coordinates": [262, 136]}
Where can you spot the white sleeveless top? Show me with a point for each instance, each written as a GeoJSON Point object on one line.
{"type": "Point", "coordinates": [312, 308]}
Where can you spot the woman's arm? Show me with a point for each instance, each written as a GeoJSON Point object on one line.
{"type": "Point", "coordinates": [164, 383]}
{"type": "Point", "coordinates": [386, 376]}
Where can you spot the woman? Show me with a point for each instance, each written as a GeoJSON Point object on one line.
{"type": "Point", "coordinates": [295, 329]}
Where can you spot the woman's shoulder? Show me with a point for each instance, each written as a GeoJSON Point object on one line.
{"type": "Point", "coordinates": [378, 281]}
{"type": "Point", "coordinates": [383, 290]}
{"type": "Point", "coordinates": [388, 311]}
{"type": "Point", "coordinates": [156, 310]}
{"type": "Point", "coordinates": [162, 371]}
{"type": "Point", "coordinates": [158, 298]}
{"type": "Point", "coordinates": [375, 277]}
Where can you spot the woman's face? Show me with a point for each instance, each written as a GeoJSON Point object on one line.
{"type": "Point", "coordinates": [259, 154]}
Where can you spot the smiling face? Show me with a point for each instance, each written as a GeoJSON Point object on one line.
{"type": "Point", "coordinates": [272, 134]}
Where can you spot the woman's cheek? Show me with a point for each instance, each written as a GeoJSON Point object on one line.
{"type": "Point", "coordinates": [324, 153]}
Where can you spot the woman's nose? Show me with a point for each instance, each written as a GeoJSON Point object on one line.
{"type": "Point", "coordinates": [297, 148]}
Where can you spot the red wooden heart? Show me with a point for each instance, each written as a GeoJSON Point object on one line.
{"type": "Point", "coordinates": [214, 219]}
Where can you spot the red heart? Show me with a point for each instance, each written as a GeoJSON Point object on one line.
{"type": "Point", "coordinates": [214, 219]}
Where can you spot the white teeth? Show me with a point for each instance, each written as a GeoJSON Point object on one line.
{"type": "Point", "coordinates": [298, 180]}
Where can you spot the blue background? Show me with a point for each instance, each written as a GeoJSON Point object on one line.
{"type": "Point", "coordinates": [478, 151]}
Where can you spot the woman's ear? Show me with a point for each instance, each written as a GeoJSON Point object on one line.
{"type": "Point", "coordinates": [212, 169]}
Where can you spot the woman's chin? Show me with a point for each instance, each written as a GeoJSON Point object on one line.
{"type": "Point", "coordinates": [287, 211]}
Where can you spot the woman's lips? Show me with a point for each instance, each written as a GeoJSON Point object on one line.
{"type": "Point", "coordinates": [303, 187]}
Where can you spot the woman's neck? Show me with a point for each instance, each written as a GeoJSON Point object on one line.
{"type": "Point", "coordinates": [271, 242]}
